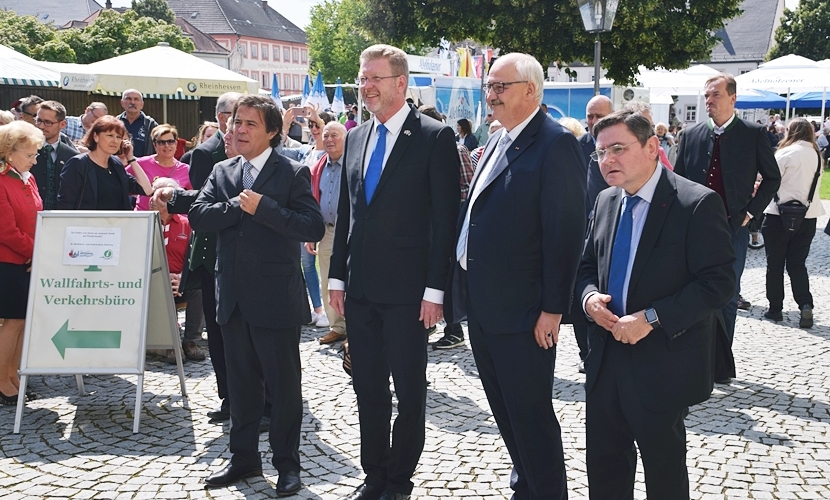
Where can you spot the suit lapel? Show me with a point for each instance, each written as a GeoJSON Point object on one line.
{"type": "Point", "coordinates": [489, 148]}
{"type": "Point", "coordinates": [219, 150]}
{"type": "Point", "coordinates": [267, 171]}
{"type": "Point", "coordinates": [408, 131]}
{"type": "Point", "coordinates": [517, 147]}
{"type": "Point", "coordinates": [664, 195]}
{"type": "Point", "coordinates": [236, 174]}
{"type": "Point", "coordinates": [607, 229]}
{"type": "Point", "coordinates": [358, 138]}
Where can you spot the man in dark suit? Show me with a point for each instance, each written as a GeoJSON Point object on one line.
{"type": "Point", "coordinates": [56, 150]}
{"type": "Point", "coordinates": [598, 107]}
{"type": "Point", "coordinates": [726, 154]}
{"type": "Point", "coordinates": [392, 244]}
{"type": "Point", "coordinates": [656, 270]}
{"type": "Point", "coordinates": [520, 235]}
{"type": "Point", "coordinates": [260, 205]}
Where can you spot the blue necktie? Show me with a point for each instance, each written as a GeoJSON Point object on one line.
{"type": "Point", "coordinates": [370, 182]}
{"type": "Point", "coordinates": [247, 177]}
{"type": "Point", "coordinates": [620, 256]}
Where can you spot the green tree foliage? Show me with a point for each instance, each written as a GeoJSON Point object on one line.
{"type": "Point", "coordinates": [112, 34]}
{"type": "Point", "coordinates": [652, 33]}
{"type": "Point", "coordinates": [336, 39]}
{"type": "Point", "coordinates": [155, 9]}
{"type": "Point", "coordinates": [804, 31]}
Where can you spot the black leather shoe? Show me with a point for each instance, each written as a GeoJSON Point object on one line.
{"type": "Point", "coordinates": [288, 484]}
{"type": "Point", "coordinates": [230, 475]}
{"type": "Point", "coordinates": [394, 496]}
{"type": "Point", "coordinates": [222, 413]}
{"type": "Point", "coordinates": [365, 492]}
{"type": "Point", "coordinates": [724, 381]}
{"type": "Point", "coordinates": [774, 315]}
{"type": "Point", "coordinates": [806, 320]}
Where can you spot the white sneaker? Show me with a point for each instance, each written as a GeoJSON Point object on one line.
{"type": "Point", "coordinates": [320, 320]}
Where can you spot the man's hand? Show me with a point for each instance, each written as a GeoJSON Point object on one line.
{"type": "Point", "coordinates": [311, 248]}
{"type": "Point", "coordinates": [249, 200]}
{"type": "Point", "coordinates": [160, 197]}
{"type": "Point", "coordinates": [431, 313]}
{"type": "Point", "coordinates": [597, 308]}
{"type": "Point", "coordinates": [337, 300]}
{"type": "Point", "coordinates": [746, 219]}
{"type": "Point", "coordinates": [631, 328]}
{"type": "Point", "coordinates": [175, 280]}
{"type": "Point", "coordinates": [547, 329]}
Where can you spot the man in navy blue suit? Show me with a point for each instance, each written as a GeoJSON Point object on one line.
{"type": "Point", "coordinates": [520, 235]}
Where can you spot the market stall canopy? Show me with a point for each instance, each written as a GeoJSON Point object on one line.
{"type": "Point", "coordinates": [160, 70]}
{"type": "Point", "coordinates": [785, 74]}
{"type": "Point", "coordinates": [689, 81]}
{"type": "Point", "coordinates": [809, 100]}
{"type": "Point", "coordinates": [759, 99]}
{"type": "Point", "coordinates": [17, 69]}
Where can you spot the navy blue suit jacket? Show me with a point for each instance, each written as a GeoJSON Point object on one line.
{"type": "Point", "coordinates": [258, 256]}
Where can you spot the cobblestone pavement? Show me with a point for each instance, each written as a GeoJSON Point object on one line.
{"type": "Point", "coordinates": [765, 436]}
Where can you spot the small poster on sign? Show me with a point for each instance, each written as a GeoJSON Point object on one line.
{"type": "Point", "coordinates": [92, 246]}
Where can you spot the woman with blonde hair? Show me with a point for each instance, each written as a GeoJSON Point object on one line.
{"type": "Point", "coordinates": [799, 161]}
{"type": "Point", "coordinates": [19, 204]}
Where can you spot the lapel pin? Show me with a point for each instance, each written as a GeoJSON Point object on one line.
{"type": "Point", "coordinates": [407, 132]}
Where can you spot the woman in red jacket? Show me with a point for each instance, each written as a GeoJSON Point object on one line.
{"type": "Point", "coordinates": [19, 204]}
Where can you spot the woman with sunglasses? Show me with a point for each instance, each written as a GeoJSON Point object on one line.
{"type": "Point", "coordinates": [163, 163]}
{"type": "Point", "coordinates": [97, 180]}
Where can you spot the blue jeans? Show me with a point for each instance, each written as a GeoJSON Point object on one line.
{"type": "Point", "coordinates": [312, 280]}
{"type": "Point", "coordinates": [740, 242]}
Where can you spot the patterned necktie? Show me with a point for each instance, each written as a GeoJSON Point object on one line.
{"type": "Point", "coordinates": [501, 147]}
{"type": "Point", "coordinates": [247, 178]}
{"type": "Point", "coordinates": [51, 186]}
{"type": "Point", "coordinates": [373, 171]}
{"type": "Point", "coordinates": [620, 256]}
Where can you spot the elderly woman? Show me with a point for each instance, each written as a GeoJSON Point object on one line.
{"type": "Point", "coordinates": [19, 204]}
{"type": "Point", "coordinates": [97, 180]}
{"type": "Point", "coordinates": [800, 163]}
{"type": "Point", "coordinates": [163, 163]}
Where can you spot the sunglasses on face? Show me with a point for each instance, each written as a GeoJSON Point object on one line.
{"type": "Point", "coordinates": [168, 142]}
{"type": "Point", "coordinates": [27, 113]}
{"type": "Point", "coordinates": [313, 125]}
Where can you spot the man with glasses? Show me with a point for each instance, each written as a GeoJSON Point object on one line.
{"type": "Point", "coordinates": [76, 126]}
{"type": "Point", "coordinates": [392, 245]}
{"type": "Point", "coordinates": [26, 108]}
{"type": "Point", "coordinates": [57, 150]}
{"type": "Point", "coordinates": [138, 124]}
{"type": "Point", "coordinates": [656, 269]}
{"type": "Point", "coordinates": [519, 238]}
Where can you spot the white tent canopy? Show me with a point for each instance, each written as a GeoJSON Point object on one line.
{"type": "Point", "coordinates": [689, 81]}
{"type": "Point", "coordinates": [786, 74]}
{"type": "Point", "coordinates": [17, 69]}
{"type": "Point", "coordinates": [160, 70]}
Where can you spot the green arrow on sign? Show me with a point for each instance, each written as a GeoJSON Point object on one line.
{"type": "Point", "coordinates": [85, 339]}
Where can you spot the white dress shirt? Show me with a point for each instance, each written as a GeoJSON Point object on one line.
{"type": "Point", "coordinates": [259, 162]}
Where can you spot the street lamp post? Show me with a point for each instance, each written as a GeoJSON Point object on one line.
{"type": "Point", "coordinates": [598, 17]}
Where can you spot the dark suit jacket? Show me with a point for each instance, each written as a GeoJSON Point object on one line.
{"type": "Point", "coordinates": [683, 269]}
{"type": "Point", "coordinates": [596, 182]}
{"type": "Point", "coordinates": [526, 232]}
{"type": "Point", "coordinates": [391, 250]}
{"type": "Point", "coordinates": [745, 152]}
{"type": "Point", "coordinates": [66, 150]}
{"type": "Point", "coordinates": [258, 266]}
{"type": "Point", "coordinates": [78, 189]}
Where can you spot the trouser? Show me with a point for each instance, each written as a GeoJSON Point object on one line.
{"type": "Point", "coordinates": [790, 249]}
{"type": "Point", "coordinates": [216, 345]}
{"type": "Point", "coordinates": [312, 279]}
{"type": "Point", "coordinates": [337, 322]}
{"type": "Point", "coordinates": [740, 242]}
{"type": "Point", "coordinates": [194, 316]}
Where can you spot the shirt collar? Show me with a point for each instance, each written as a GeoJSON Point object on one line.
{"type": "Point", "coordinates": [329, 161]}
{"type": "Point", "coordinates": [53, 144]}
{"type": "Point", "coordinates": [395, 123]}
{"type": "Point", "coordinates": [518, 129]}
{"type": "Point", "coordinates": [260, 160]}
{"type": "Point", "coordinates": [720, 130]}
{"type": "Point", "coordinates": [647, 191]}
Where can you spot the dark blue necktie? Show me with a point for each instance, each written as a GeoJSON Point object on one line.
{"type": "Point", "coordinates": [370, 182]}
{"type": "Point", "coordinates": [620, 256]}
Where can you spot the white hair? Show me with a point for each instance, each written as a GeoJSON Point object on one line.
{"type": "Point", "coordinates": [528, 69]}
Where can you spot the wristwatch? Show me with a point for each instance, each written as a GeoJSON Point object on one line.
{"type": "Point", "coordinates": [651, 317]}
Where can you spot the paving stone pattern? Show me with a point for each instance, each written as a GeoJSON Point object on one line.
{"type": "Point", "coordinates": [767, 436]}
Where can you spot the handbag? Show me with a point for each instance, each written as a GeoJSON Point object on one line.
{"type": "Point", "coordinates": [792, 212]}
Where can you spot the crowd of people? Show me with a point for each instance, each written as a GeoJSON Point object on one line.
{"type": "Point", "coordinates": [635, 233]}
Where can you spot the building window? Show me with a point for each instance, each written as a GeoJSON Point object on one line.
{"type": "Point", "coordinates": [276, 52]}
{"type": "Point", "coordinates": [572, 78]}
{"type": "Point", "coordinates": [286, 54]}
{"type": "Point", "coordinates": [255, 75]}
{"type": "Point", "coordinates": [691, 113]}
{"type": "Point", "coordinates": [266, 84]}
{"type": "Point", "coordinates": [296, 54]}
{"type": "Point", "coordinates": [297, 82]}
{"type": "Point", "coordinates": [303, 56]}
{"type": "Point", "coordinates": [243, 46]}
{"type": "Point", "coordinates": [265, 51]}
{"type": "Point", "coordinates": [254, 51]}
{"type": "Point", "coordinates": [742, 71]}
{"type": "Point", "coordinates": [244, 72]}
{"type": "Point", "coordinates": [287, 82]}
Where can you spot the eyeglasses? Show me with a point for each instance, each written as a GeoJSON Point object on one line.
{"type": "Point", "coordinates": [611, 151]}
{"type": "Point", "coordinates": [374, 79]}
{"type": "Point", "coordinates": [27, 113]}
{"type": "Point", "coordinates": [45, 123]}
{"type": "Point", "coordinates": [313, 124]}
{"type": "Point", "coordinates": [498, 87]}
{"type": "Point", "coordinates": [30, 157]}
{"type": "Point", "coordinates": [168, 142]}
